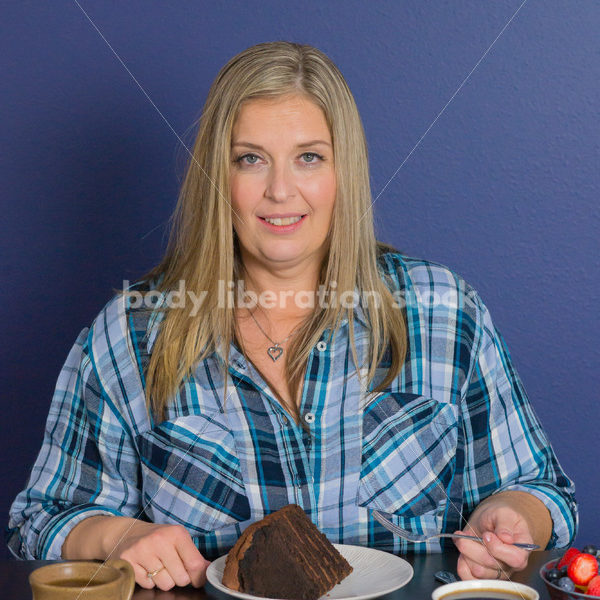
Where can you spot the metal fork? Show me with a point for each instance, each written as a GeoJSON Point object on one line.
{"type": "Point", "coordinates": [423, 537]}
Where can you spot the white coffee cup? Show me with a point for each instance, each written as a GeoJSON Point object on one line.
{"type": "Point", "coordinates": [485, 588]}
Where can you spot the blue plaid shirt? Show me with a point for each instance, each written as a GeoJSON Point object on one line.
{"type": "Point", "coordinates": [454, 427]}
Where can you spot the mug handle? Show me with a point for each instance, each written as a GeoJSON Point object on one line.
{"type": "Point", "coordinates": [129, 580]}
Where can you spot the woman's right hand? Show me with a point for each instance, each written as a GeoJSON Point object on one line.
{"type": "Point", "coordinates": [147, 546]}
{"type": "Point", "coordinates": [167, 548]}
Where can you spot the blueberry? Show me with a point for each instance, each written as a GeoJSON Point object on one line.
{"type": "Point", "coordinates": [563, 571]}
{"type": "Point", "coordinates": [566, 584]}
{"type": "Point", "coordinates": [590, 549]}
{"type": "Point", "coordinates": [553, 575]}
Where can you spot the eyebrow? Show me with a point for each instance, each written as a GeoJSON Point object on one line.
{"type": "Point", "coordinates": [303, 145]}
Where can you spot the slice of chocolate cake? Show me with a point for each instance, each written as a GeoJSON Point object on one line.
{"type": "Point", "coordinates": [284, 556]}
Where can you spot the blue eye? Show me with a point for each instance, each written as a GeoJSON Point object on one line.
{"type": "Point", "coordinates": [308, 158]}
{"type": "Point", "coordinates": [311, 155]}
{"type": "Point", "coordinates": [250, 159]}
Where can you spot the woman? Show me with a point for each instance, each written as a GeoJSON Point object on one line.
{"type": "Point", "coordinates": [360, 378]}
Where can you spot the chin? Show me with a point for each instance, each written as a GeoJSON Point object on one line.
{"type": "Point", "coordinates": [283, 254]}
{"type": "Point", "coordinates": [283, 258]}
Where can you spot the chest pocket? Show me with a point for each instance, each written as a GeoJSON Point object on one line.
{"type": "Point", "coordinates": [408, 452]}
{"type": "Point", "coordinates": [191, 474]}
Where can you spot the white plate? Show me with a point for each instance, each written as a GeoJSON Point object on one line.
{"type": "Point", "coordinates": [374, 573]}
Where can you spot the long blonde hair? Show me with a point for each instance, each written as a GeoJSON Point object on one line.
{"type": "Point", "coordinates": [202, 250]}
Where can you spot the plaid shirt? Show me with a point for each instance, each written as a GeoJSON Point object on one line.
{"type": "Point", "coordinates": [454, 427]}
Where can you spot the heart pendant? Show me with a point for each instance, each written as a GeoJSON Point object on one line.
{"type": "Point", "coordinates": [274, 352]}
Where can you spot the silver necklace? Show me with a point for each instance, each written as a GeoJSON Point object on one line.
{"type": "Point", "coordinates": [275, 351]}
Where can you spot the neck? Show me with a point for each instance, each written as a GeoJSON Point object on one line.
{"type": "Point", "coordinates": [283, 291]}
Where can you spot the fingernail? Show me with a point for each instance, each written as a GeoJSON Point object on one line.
{"type": "Point", "coordinates": [487, 537]}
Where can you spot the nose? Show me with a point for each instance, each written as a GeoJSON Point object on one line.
{"type": "Point", "coordinates": [280, 183]}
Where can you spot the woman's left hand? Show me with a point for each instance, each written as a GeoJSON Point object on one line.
{"type": "Point", "coordinates": [499, 523]}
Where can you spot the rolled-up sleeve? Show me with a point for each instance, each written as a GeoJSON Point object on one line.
{"type": "Point", "coordinates": [87, 464]}
{"type": "Point", "coordinates": [506, 447]}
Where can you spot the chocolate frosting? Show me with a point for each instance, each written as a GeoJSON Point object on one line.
{"type": "Point", "coordinates": [284, 556]}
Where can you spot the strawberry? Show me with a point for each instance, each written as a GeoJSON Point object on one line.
{"type": "Point", "coordinates": [582, 568]}
{"type": "Point", "coordinates": [567, 557]}
{"type": "Point", "coordinates": [594, 586]}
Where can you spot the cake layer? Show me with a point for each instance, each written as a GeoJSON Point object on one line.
{"type": "Point", "coordinates": [284, 556]}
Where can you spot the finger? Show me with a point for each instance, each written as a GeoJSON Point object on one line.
{"type": "Point", "coordinates": [193, 561]}
{"type": "Point", "coordinates": [499, 571]}
{"type": "Point", "coordinates": [476, 552]}
{"type": "Point", "coordinates": [143, 562]}
{"type": "Point", "coordinates": [196, 568]}
{"type": "Point", "coordinates": [163, 580]}
{"type": "Point", "coordinates": [468, 569]}
{"type": "Point", "coordinates": [480, 561]}
{"type": "Point", "coordinates": [141, 577]}
{"type": "Point", "coordinates": [503, 549]}
{"type": "Point", "coordinates": [171, 559]}
{"type": "Point", "coordinates": [463, 570]}
{"type": "Point", "coordinates": [478, 570]}
{"type": "Point", "coordinates": [504, 572]}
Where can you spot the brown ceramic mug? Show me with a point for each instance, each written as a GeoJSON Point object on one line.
{"type": "Point", "coordinates": [83, 580]}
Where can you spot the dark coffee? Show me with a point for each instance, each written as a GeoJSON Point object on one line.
{"type": "Point", "coordinates": [75, 582]}
{"type": "Point", "coordinates": [485, 595]}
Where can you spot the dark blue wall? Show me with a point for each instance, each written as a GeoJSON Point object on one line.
{"type": "Point", "coordinates": [503, 187]}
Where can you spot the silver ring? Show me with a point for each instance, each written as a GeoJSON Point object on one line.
{"type": "Point", "coordinates": [151, 574]}
{"type": "Point", "coordinates": [499, 573]}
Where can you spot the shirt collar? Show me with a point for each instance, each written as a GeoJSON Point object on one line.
{"type": "Point", "coordinates": [238, 360]}
{"type": "Point", "coordinates": [359, 316]}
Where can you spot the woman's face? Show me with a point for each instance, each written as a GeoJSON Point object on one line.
{"type": "Point", "coordinates": [282, 181]}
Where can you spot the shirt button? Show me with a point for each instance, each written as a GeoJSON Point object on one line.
{"type": "Point", "coordinates": [321, 346]}
{"type": "Point", "coordinates": [309, 417]}
{"type": "Point", "coordinates": [240, 365]}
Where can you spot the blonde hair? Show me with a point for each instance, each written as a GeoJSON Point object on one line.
{"type": "Point", "coordinates": [202, 250]}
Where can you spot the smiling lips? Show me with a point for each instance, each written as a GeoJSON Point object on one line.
{"type": "Point", "coordinates": [283, 223]}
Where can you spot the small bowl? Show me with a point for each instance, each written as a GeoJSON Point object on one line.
{"type": "Point", "coordinates": [557, 593]}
